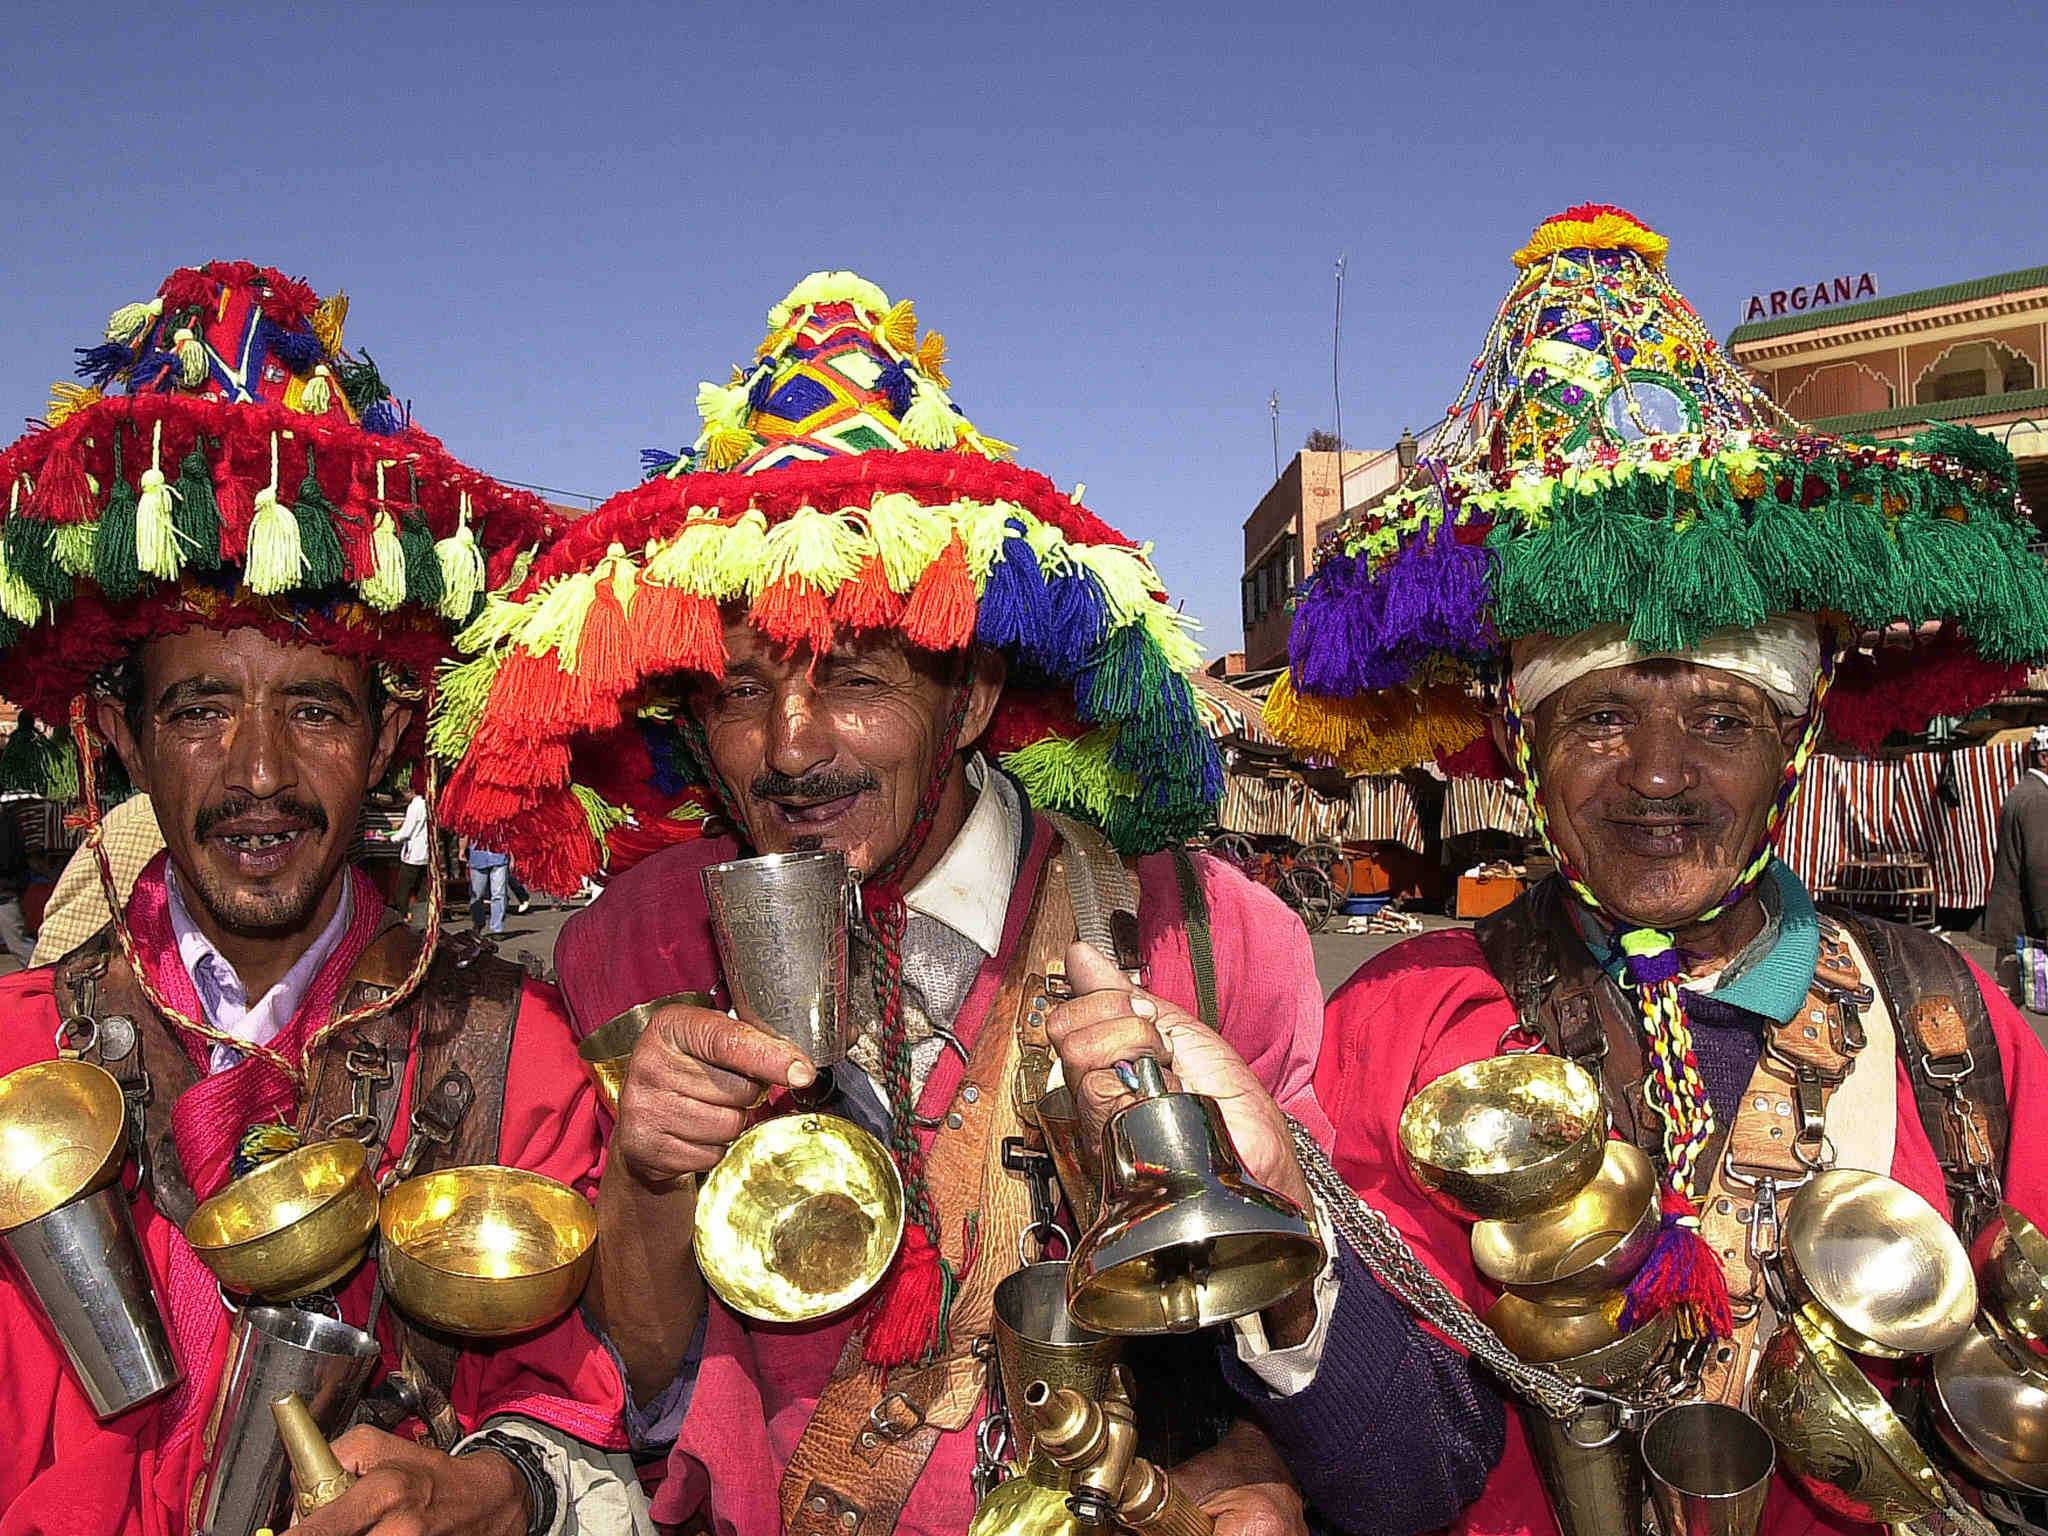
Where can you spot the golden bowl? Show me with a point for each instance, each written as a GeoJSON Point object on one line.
{"type": "Point", "coordinates": [63, 1133]}
{"type": "Point", "coordinates": [799, 1219]}
{"type": "Point", "coordinates": [607, 1048]}
{"type": "Point", "coordinates": [1505, 1137]}
{"type": "Point", "coordinates": [1840, 1438]}
{"type": "Point", "coordinates": [1993, 1396]}
{"type": "Point", "coordinates": [1876, 1267]}
{"type": "Point", "coordinates": [1540, 1332]}
{"type": "Point", "coordinates": [294, 1226]}
{"type": "Point", "coordinates": [486, 1251]}
{"type": "Point", "coordinates": [1622, 1363]}
{"type": "Point", "coordinates": [1587, 1248]}
{"type": "Point", "coordinates": [2015, 1277]}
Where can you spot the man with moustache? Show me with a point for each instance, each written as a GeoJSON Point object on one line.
{"type": "Point", "coordinates": [234, 561]}
{"type": "Point", "coordinates": [843, 621]}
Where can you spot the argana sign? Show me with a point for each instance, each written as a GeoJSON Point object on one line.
{"type": "Point", "coordinates": [1794, 301]}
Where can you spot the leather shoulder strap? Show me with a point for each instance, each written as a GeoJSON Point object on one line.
{"type": "Point", "coordinates": [1951, 1052]}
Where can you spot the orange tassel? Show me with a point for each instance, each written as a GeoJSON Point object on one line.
{"type": "Point", "coordinates": [792, 612]}
{"type": "Point", "coordinates": [535, 692]}
{"type": "Point", "coordinates": [867, 601]}
{"type": "Point", "coordinates": [658, 627]}
{"type": "Point", "coordinates": [604, 650]}
{"type": "Point", "coordinates": [940, 614]}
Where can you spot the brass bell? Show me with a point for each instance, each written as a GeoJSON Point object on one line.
{"type": "Point", "coordinates": [1184, 1239]}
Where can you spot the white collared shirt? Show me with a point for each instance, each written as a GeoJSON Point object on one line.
{"type": "Point", "coordinates": [222, 996]}
{"type": "Point", "coordinates": [969, 888]}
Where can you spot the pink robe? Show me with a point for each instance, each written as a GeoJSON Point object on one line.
{"type": "Point", "coordinates": [756, 1387]}
{"type": "Point", "coordinates": [1430, 1005]}
{"type": "Point", "coordinates": [64, 1474]}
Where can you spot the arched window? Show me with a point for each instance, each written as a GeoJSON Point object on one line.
{"type": "Point", "coordinates": [1972, 368]}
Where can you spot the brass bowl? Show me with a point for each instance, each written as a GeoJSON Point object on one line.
{"type": "Point", "coordinates": [1506, 1136]}
{"type": "Point", "coordinates": [294, 1226]}
{"type": "Point", "coordinates": [1839, 1436]}
{"type": "Point", "coordinates": [1619, 1364]}
{"type": "Point", "coordinates": [1540, 1332]}
{"type": "Point", "coordinates": [1876, 1267]}
{"type": "Point", "coordinates": [2015, 1277]}
{"type": "Point", "coordinates": [63, 1133]}
{"type": "Point", "coordinates": [607, 1048]}
{"type": "Point", "coordinates": [1587, 1248]}
{"type": "Point", "coordinates": [486, 1251]}
{"type": "Point", "coordinates": [1993, 1399]}
{"type": "Point", "coordinates": [799, 1219]}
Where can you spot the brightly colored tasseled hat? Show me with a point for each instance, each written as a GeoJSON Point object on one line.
{"type": "Point", "coordinates": [225, 462]}
{"type": "Point", "coordinates": [1605, 464]}
{"type": "Point", "coordinates": [835, 485]}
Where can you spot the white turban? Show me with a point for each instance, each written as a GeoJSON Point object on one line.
{"type": "Point", "coordinates": [1781, 656]}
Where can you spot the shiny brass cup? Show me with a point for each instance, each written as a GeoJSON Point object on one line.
{"type": "Point", "coordinates": [486, 1251]}
{"type": "Point", "coordinates": [1589, 1464]}
{"type": "Point", "coordinates": [799, 1219]}
{"type": "Point", "coordinates": [2015, 1278]}
{"type": "Point", "coordinates": [1839, 1436]}
{"type": "Point", "coordinates": [607, 1048]}
{"type": "Point", "coordinates": [63, 1133]}
{"type": "Point", "coordinates": [1992, 1395]}
{"type": "Point", "coordinates": [1589, 1247]}
{"type": "Point", "coordinates": [1505, 1137]}
{"type": "Point", "coordinates": [1541, 1331]}
{"type": "Point", "coordinates": [1875, 1267]}
{"type": "Point", "coordinates": [296, 1225]}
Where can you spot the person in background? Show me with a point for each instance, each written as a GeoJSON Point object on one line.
{"type": "Point", "coordinates": [2017, 904]}
{"type": "Point", "coordinates": [487, 874]}
{"type": "Point", "coordinates": [77, 908]}
{"type": "Point", "coordinates": [415, 839]}
{"type": "Point", "coordinates": [14, 877]}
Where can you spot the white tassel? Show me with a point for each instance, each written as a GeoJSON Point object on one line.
{"type": "Point", "coordinates": [462, 567]}
{"type": "Point", "coordinates": [156, 537]}
{"type": "Point", "coordinates": [276, 558]}
{"type": "Point", "coordinates": [930, 422]}
{"type": "Point", "coordinates": [318, 393]}
{"type": "Point", "coordinates": [384, 588]}
{"type": "Point", "coordinates": [192, 367]}
{"type": "Point", "coordinates": [130, 320]}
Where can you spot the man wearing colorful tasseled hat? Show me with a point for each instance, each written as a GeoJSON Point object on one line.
{"type": "Point", "coordinates": [842, 620]}
{"type": "Point", "coordinates": [232, 558]}
{"type": "Point", "coordinates": [1650, 590]}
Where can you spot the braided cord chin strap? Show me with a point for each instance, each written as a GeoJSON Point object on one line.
{"type": "Point", "coordinates": [89, 748]}
{"type": "Point", "coordinates": [1688, 1281]}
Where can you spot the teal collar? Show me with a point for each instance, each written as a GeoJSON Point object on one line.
{"type": "Point", "coordinates": [1773, 983]}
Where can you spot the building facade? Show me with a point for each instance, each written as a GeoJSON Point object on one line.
{"type": "Point", "coordinates": [1974, 352]}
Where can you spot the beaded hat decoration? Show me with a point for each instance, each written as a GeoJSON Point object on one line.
{"type": "Point", "coordinates": [226, 463]}
{"type": "Point", "coordinates": [1606, 464]}
{"type": "Point", "coordinates": [835, 487]}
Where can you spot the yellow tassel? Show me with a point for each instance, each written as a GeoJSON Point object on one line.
{"type": "Point", "coordinates": [18, 599]}
{"type": "Point", "coordinates": [690, 559]}
{"type": "Point", "coordinates": [983, 528]}
{"type": "Point", "coordinates": [726, 446]}
{"type": "Point", "coordinates": [131, 320]}
{"type": "Point", "coordinates": [1128, 581]}
{"type": "Point", "coordinates": [318, 393]}
{"type": "Point", "coordinates": [555, 617]}
{"type": "Point", "coordinates": [898, 330]}
{"type": "Point", "coordinates": [930, 421]}
{"type": "Point", "coordinates": [742, 559]}
{"type": "Point", "coordinates": [157, 540]}
{"type": "Point", "coordinates": [988, 447]}
{"type": "Point", "coordinates": [192, 368]}
{"type": "Point", "coordinates": [827, 288]}
{"type": "Point", "coordinates": [74, 547]}
{"type": "Point", "coordinates": [384, 588]}
{"type": "Point", "coordinates": [276, 559]}
{"type": "Point", "coordinates": [459, 701]}
{"type": "Point", "coordinates": [908, 536]}
{"type": "Point", "coordinates": [492, 629]}
{"type": "Point", "coordinates": [931, 359]}
{"type": "Point", "coordinates": [328, 319]}
{"type": "Point", "coordinates": [824, 549]}
{"type": "Point", "coordinates": [722, 405]}
{"type": "Point", "coordinates": [67, 400]}
{"type": "Point", "coordinates": [462, 567]}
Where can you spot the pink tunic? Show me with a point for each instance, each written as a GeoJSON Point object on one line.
{"type": "Point", "coordinates": [64, 1474]}
{"type": "Point", "coordinates": [1429, 1006]}
{"type": "Point", "coordinates": [757, 1386]}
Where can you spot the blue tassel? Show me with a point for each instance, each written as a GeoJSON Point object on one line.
{"type": "Point", "coordinates": [100, 364]}
{"type": "Point", "coordinates": [674, 769]}
{"type": "Point", "coordinates": [894, 382]}
{"type": "Point", "coordinates": [1016, 610]}
{"type": "Point", "coordinates": [1078, 618]}
{"type": "Point", "coordinates": [383, 420]}
{"type": "Point", "coordinates": [158, 370]}
{"type": "Point", "coordinates": [763, 386]}
{"type": "Point", "coordinates": [297, 350]}
{"type": "Point", "coordinates": [1123, 681]}
{"type": "Point", "coordinates": [657, 461]}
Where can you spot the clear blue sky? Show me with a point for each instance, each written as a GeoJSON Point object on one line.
{"type": "Point", "coordinates": [554, 220]}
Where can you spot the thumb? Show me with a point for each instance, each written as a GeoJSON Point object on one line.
{"type": "Point", "coordinates": [1090, 970]}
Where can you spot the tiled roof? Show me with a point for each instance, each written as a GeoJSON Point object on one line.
{"type": "Point", "coordinates": [1940, 410]}
{"type": "Point", "coordinates": [1895, 304]}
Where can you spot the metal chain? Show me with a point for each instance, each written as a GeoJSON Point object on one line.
{"type": "Point", "coordinates": [1394, 1264]}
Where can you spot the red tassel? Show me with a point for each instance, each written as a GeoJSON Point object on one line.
{"type": "Point", "coordinates": [908, 1319]}
{"type": "Point", "coordinates": [62, 493]}
{"type": "Point", "coordinates": [940, 613]}
{"type": "Point", "coordinates": [659, 627]}
{"type": "Point", "coordinates": [792, 612]}
{"type": "Point", "coordinates": [867, 601]}
{"type": "Point", "coordinates": [604, 651]}
{"type": "Point", "coordinates": [1682, 1277]}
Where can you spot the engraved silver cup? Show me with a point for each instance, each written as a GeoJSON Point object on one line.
{"type": "Point", "coordinates": [782, 922]}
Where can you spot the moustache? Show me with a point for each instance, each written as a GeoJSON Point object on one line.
{"type": "Point", "coordinates": [822, 785]}
{"type": "Point", "coordinates": [1637, 807]}
{"type": "Point", "coordinates": [305, 813]}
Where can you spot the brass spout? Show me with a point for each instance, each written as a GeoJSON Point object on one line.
{"type": "Point", "coordinates": [318, 1474]}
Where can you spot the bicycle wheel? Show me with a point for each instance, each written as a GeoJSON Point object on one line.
{"type": "Point", "coordinates": [1235, 848]}
{"type": "Point", "coordinates": [1308, 891]}
{"type": "Point", "coordinates": [1332, 860]}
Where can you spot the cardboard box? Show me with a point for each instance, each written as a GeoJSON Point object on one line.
{"type": "Point", "coordinates": [1480, 894]}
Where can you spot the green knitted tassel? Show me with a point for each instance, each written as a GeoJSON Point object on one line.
{"type": "Point", "coordinates": [30, 549]}
{"type": "Point", "coordinates": [422, 565]}
{"type": "Point", "coordinates": [1707, 585]}
{"type": "Point", "coordinates": [196, 514]}
{"type": "Point", "coordinates": [1788, 556]}
{"type": "Point", "coordinates": [319, 544]}
{"type": "Point", "coordinates": [116, 565]}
